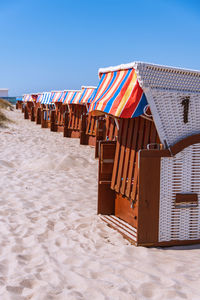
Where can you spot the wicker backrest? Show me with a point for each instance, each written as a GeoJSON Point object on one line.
{"type": "Point", "coordinates": [174, 98]}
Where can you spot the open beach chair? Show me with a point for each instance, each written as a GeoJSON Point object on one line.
{"type": "Point", "coordinates": [58, 114]}
{"type": "Point", "coordinates": [149, 179]}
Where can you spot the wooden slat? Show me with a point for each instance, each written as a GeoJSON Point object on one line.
{"type": "Point", "coordinates": [147, 133]}
{"type": "Point", "coordinates": [153, 134]}
{"type": "Point", "coordinates": [132, 157]}
{"type": "Point", "coordinates": [116, 160]}
{"type": "Point", "coordinates": [135, 180]}
{"type": "Point", "coordinates": [122, 154]}
{"type": "Point", "coordinates": [96, 126]}
{"type": "Point", "coordinates": [111, 129]}
{"type": "Point", "coordinates": [107, 126]}
{"type": "Point", "coordinates": [73, 116]}
{"type": "Point", "coordinates": [88, 124]}
{"type": "Point", "coordinates": [92, 125]}
{"type": "Point", "coordinates": [76, 117]}
{"type": "Point", "coordinates": [70, 118]}
{"type": "Point", "coordinates": [127, 155]}
{"type": "Point", "coordinates": [127, 231]}
{"type": "Point", "coordinates": [145, 142]}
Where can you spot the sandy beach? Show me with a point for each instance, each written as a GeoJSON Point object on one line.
{"type": "Point", "coordinates": [55, 247]}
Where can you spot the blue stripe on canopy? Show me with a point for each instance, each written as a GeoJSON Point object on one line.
{"type": "Point", "coordinates": [46, 98]}
{"type": "Point", "coordinates": [92, 96]}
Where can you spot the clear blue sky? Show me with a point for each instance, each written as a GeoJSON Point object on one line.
{"type": "Point", "coordinates": [60, 44]}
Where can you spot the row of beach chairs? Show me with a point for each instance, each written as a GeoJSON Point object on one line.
{"type": "Point", "coordinates": [144, 122]}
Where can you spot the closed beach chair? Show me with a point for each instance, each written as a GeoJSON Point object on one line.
{"type": "Point", "coordinates": [149, 183]}
{"type": "Point", "coordinates": [28, 102]}
{"type": "Point", "coordinates": [57, 114]}
{"type": "Point", "coordinates": [72, 122]}
{"type": "Point", "coordinates": [46, 107]}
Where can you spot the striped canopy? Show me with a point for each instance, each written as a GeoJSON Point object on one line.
{"type": "Point", "coordinates": [29, 98]}
{"type": "Point", "coordinates": [87, 92]}
{"type": "Point", "coordinates": [46, 98]}
{"type": "Point", "coordinates": [26, 98]}
{"type": "Point", "coordinates": [56, 96]}
{"type": "Point", "coordinates": [39, 98]}
{"type": "Point", "coordinates": [71, 97]}
{"type": "Point", "coordinates": [119, 94]}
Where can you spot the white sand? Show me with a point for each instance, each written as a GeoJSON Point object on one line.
{"type": "Point", "coordinates": [52, 244]}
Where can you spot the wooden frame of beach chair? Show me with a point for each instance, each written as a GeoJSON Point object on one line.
{"type": "Point", "coordinates": [75, 117]}
{"type": "Point", "coordinates": [34, 108]}
{"type": "Point", "coordinates": [46, 108]}
{"type": "Point", "coordinates": [149, 183]}
{"type": "Point", "coordinates": [58, 114]}
{"type": "Point", "coordinates": [99, 128]}
{"type": "Point", "coordinates": [58, 117]}
{"type": "Point", "coordinates": [36, 113]}
{"type": "Point", "coordinates": [19, 104]}
{"type": "Point", "coordinates": [28, 109]}
{"type": "Point", "coordinates": [75, 121]}
{"type": "Point", "coordinates": [46, 115]}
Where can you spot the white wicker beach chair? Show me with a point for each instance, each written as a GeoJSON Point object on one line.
{"type": "Point", "coordinates": [167, 208]}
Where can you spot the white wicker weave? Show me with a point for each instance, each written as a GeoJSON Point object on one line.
{"type": "Point", "coordinates": [179, 174]}
{"type": "Point", "coordinates": [165, 88]}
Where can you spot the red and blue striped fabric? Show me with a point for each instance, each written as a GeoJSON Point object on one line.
{"type": "Point", "coordinates": [71, 97]}
{"type": "Point", "coordinates": [76, 98]}
{"type": "Point", "coordinates": [87, 92]}
{"type": "Point", "coordinates": [46, 98]}
{"type": "Point", "coordinates": [119, 94]}
{"type": "Point", "coordinates": [27, 98]}
{"type": "Point", "coordinates": [39, 98]}
{"type": "Point", "coordinates": [56, 96]}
